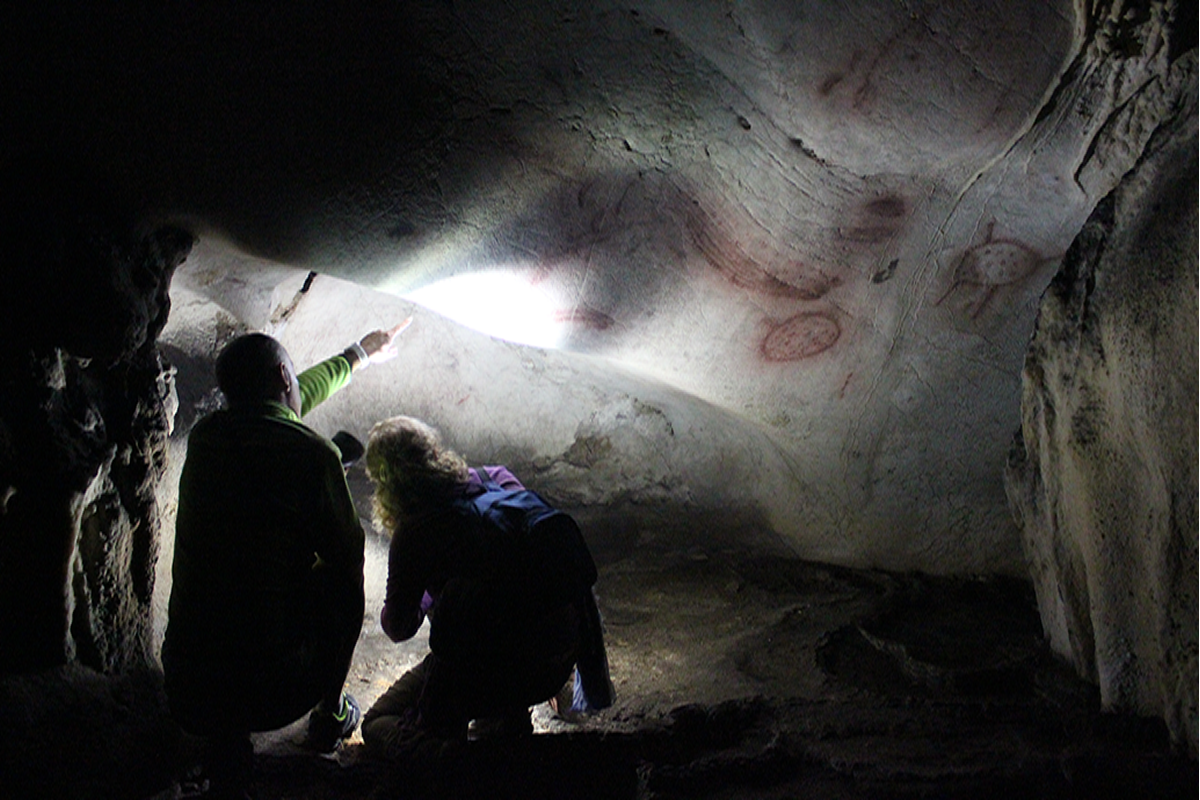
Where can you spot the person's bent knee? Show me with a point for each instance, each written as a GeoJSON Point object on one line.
{"type": "Point", "coordinates": [387, 736]}
{"type": "Point", "coordinates": [375, 729]}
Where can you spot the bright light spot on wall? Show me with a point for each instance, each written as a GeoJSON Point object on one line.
{"type": "Point", "coordinates": [499, 303]}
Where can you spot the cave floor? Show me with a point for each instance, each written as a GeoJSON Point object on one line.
{"type": "Point", "coordinates": [769, 677]}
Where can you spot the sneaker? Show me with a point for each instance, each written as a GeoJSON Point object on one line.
{"type": "Point", "coordinates": [326, 731]}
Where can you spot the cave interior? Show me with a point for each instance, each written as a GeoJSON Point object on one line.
{"type": "Point", "coordinates": [859, 337]}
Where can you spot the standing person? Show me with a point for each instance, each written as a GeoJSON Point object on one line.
{"type": "Point", "coordinates": [267, 583]}
{"type": "Point", "coordinates": [505, 580]}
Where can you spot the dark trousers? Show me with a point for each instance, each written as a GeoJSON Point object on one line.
{"type": "Point", "coordinates": [224, 700]}
{"type": "Point", "coordinates": [440, 698]}
{"type": "Point", "coordinates": [233, 691]}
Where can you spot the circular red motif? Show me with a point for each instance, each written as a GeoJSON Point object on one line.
{"type": "Point", "coordinates": [802, 336]}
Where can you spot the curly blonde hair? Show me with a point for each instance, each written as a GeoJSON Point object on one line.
{"type": "Point", "coordinates": [410, 468]}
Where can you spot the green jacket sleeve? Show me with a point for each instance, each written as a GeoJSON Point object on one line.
{"type": "Point", "coordinates": [320, 382]}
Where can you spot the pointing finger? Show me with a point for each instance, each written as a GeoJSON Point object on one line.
{"type": "Point", "coordinates": [396, 331]}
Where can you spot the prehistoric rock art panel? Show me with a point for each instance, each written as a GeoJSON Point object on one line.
{"type": "Point", "coordinates": [988, 266]}
{"type": "Point", "coordinates": [942, 76]}
{"type": "Point", "coordinates": [869, 230]}
{"type": "Point", "coordinates": [798, 337]}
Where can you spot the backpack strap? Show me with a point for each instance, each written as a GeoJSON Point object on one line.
{"type": "Point", "coordinates": [492, 494]}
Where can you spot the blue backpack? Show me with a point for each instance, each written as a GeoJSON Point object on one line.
{"type": "Point", "coordinates": [521, 539]}
{"type": "Point", "coordinates": [519, 558]}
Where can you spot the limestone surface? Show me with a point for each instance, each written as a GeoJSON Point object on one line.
{"type": "Point", "coordinates": [1103, 475]}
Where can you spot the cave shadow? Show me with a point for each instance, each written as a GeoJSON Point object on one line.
{"type": "Point", "coordinates": [788, 679]}
{"type": "Point", "coordinates": [848, 684]}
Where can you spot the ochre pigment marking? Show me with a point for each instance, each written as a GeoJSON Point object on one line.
{"type": "Point", "coordinates": [886, 213]}
{"type": "Point", "coordinates": [877, 220]}
{"type": "Point", "coordinates": [887, 207]}
{"type": "Point", "coordinates": [584, 316]}
{"type": "Point", "coordinates": [989, 265]}
{"type": "Point", "coordinates": [726, 256]}
{"type": "Point", "coordinates": [802, 336]}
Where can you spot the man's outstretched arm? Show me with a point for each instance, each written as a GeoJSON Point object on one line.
{"type": "Point", "coordinates": [321, 381]}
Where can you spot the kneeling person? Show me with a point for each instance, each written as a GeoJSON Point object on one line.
{"type": "Point", "coordinates": [267, 595]}
{"type": "Point", "coordinates": [505, 579]}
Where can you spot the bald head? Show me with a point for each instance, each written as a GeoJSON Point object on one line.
{"type": "Point", "coordinates": [255, 368]}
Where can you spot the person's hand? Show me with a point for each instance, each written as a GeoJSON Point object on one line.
{"type": "Point", "coordinates": [380, 345]}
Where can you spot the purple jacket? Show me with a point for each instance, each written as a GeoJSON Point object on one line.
{"type": "Point", "coordinates": [412, 562]}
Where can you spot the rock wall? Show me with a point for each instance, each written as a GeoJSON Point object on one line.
{"type": "Point", "coordinates": [1103, 475]}
{"type": "Point", "coordinates": [833, 221]}
{"type": "Point", "coordinates": [86, 405]}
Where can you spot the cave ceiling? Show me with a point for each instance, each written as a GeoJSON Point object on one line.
{"type": "Point", "coordinates": [826, 223]}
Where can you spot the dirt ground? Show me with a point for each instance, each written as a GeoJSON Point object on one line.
{"type": "Point", "coordinates": [766, 677]}
{"type": "Point", "coordinates": [737, 676]}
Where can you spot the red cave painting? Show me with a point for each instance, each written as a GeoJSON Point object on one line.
{"type": "Point", "coordinates": [875, 222]}
{"type": "Point", "coordinates": [802, 336]}
{"type": "Point", "coordinates": [584, 316]}
{"type": "Point", "coordinates": [790, 279]}
{"type": "Point", "coordinates": [990, 265]}
{"type": "Point", "coordinates": [799, 337]}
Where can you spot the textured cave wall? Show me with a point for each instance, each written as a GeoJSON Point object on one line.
{"type": "Point", "coordinates": [1103, 476]}
{"type": "Point", "coordinates": [85, 409]}
{"type": "Point", "coordinates": [647, 466]}
{"type": "Point", "coordinates": [831, 221]}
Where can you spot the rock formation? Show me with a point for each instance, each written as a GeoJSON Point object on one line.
{"type": "Point", "coordinates": [1103, 475]}
{"type": "Point", "coordinates": [86, 409]}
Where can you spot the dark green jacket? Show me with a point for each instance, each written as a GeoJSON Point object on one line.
{"type": "Point", "coordinates": [267, 544]}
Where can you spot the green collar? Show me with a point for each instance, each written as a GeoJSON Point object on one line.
{"type": "Point", "coordinates": [269, 408]}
